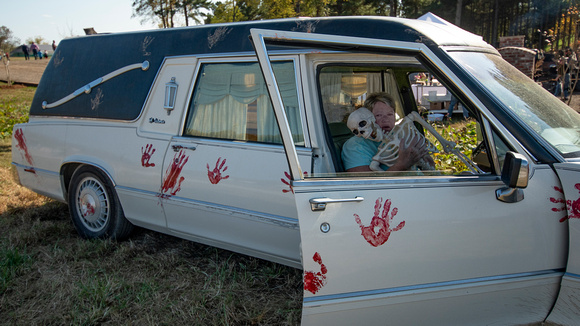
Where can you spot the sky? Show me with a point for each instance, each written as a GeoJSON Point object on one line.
{"type": "Point", "coordinates": [58, 19]}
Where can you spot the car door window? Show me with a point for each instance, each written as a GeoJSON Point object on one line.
{"type": "Point", "coordinates": [458, 145]}
{"type": "Point", "coordinates": [231, 102]}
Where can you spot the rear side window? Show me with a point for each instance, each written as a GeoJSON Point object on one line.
{"type": "Point", "coordinates": [231, 102]}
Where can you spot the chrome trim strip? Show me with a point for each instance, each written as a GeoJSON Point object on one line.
{"type": "Point", "coordinates": [360, 294]}
{"type": "Point", "coordinates": [36, 170]}
{"type": "Point", "coordinates": [572, 275]}
{"type": "Point", "coordinates": [397, 181]}
{"type": "Point", "coordinates": [287, 222]}
{"type": "Point", "coordinates": [237, 144]}
{"type": "Point", "coordinates": [88, 87]}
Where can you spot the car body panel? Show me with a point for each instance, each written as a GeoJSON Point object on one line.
{"type": "Point", "coordinates": [421, 247]}
{"type": "Point", "coordinates": [566, 311]}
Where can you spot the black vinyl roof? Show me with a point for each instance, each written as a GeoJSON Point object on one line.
{"type": "Point", "coordinates": [81, 60]}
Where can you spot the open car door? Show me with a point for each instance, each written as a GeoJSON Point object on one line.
{"type": "Point", "coordinates": [417, 250]}
{"type": "Point", "coordinates": [567, 309]}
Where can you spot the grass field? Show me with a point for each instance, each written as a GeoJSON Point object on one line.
{"type": "Point", "coordinates": [49, 276]}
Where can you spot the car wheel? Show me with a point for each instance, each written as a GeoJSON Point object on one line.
{"type": "Point", "coordinates": [94, 207]}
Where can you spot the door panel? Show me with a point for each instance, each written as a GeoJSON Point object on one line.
{"type": "Point", "coordinates": [427, 241]}
{"type": "Point", "coordinates": [567, 201]}
{"type": "Point", "coordinates": [233, 195]}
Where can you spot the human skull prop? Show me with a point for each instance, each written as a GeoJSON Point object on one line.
{"type": "Point", "coordinates": [362, 123]}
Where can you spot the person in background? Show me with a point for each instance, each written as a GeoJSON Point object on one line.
{"type": "Point", "coordinates": [35, 50]}
{"type": "Point", "coordinates": [24, 48]}
{"type": "Point", "coordinates": [454, 101]}
{"type": "Point", "coordinates": [53, 45]}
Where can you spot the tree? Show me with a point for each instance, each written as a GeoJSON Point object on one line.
{"type": "Point", "coordinates": [227, 12]}
{"type": "Point", "coordinates": [7, 41]}
{"type": "Point", "coordinates": [169, 13]}
{"type": "Point", "coordinates": [315, 8]}
{"type": "Point", "coordinates": [37, 39]}
{"type": "Point", "coordinates": [194, 9]}
{"type": "Point", "coordinates": [277, 9]}
{"type": "Point", "coordinates": [352, 8]}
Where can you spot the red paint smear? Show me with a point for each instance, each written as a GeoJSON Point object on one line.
{"type": "Point", "coordinates": [313, 282]}
{"type": "Point", "coordinates": [21, 144]}
{"type": "Point", "coordinates": [287, 182]}
{"type": "Point", "coordinates": [146, 155]}
{"type": "Point", "coordinates": [172, 179]}
{"type": "Point", "coordinates": [379, 231]}
{"type": "Point", "coordinates": [89, 210]}
{"type": "Point", "coordinates": [215, 175]}
{"type": "Point", "coordinates": [571, 207]}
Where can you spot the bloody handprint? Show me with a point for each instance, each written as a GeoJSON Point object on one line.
{"type": "Point", "coordinates": [146, 155]}
{"type": "Point", "coordinates": [571, 207]}
{"type": "Point", "coordinates": [215, 175]}
{"type": "Point", "coordinates": [314, 281]}
{"type": "Point", "coordinates": [21, 144]}
{"type": "Point", "coordinates": [379, 231]}
{"type": "Point", "coordinates": [172, 179]}
{"type": "Point", "coordinates": [287, 182]}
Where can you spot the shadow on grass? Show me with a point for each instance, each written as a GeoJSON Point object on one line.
{"type": "Point", "coordinates": [5, 148]}
{"type": "Point", "coordinates": [50, 211]}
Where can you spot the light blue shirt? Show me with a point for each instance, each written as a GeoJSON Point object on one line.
{"type": "Point", "coordinates": [358, 151]}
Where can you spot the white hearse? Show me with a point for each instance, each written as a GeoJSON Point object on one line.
{"type": "Point", "coordinates": [231, 135]}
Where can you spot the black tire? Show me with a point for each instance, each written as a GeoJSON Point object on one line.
{"type": "Point", "coordinates": [94, 206]}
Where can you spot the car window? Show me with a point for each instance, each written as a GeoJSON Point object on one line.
{"type": "Point", "coordinates": [231, 101]}
{"type": "Point", "coordinates": [457, 143]}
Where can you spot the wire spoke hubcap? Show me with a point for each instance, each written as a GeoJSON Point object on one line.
{"type": "Point", "coordinates": [93, 205]}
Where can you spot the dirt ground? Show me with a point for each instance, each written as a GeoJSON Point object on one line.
{"type": "Point", "coordinates": [29, 72]}
{"type": "Point", "coordinates": [23, 71]}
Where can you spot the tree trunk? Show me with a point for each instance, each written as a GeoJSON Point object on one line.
{"type": "Point", "coordinates": [458, 12]}
{"type": "Point", "coordinates": [494, 36]}
{"type": "Point", "coordinates": [186, 14]}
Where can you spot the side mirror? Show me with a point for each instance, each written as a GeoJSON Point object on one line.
{"type": "Point", "coordinates": [514, 174]}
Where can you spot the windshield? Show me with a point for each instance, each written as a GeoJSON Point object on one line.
{"type": "Point", "coordinates": [549, 117]}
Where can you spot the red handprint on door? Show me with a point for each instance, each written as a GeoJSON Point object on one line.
{"type": "Point", "coordinates": [314, 281]}
{"type": "Point", "coordinates": [570, 206]}
{"type": "Point", "coordinates": [379, 231]}
{"type": "Point", "coordinates": [173, 179]}
{"type": "Point", "coordinates": [215, 175]}
{"type": "Point", "coordinates": [146, 155]}
{"type": "Point", "coordinates": [287, 182]}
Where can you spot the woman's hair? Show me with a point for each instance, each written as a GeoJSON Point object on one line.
{"type": "Point", "coordinates": [373, 98]}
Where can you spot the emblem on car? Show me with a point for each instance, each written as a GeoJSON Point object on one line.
{"type": "Point", "coordinates": [156, 120]}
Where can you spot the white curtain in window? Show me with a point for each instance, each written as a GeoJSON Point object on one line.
{"type": "Point", "coordinates": [330, 87]}
{"type": "Point", "coordinates": [223, 119]}
{"type": "Point", "coordinates": [223, 93]}
{"type": "Point", "coordinates": [374, 83]}
{"type": "Point", "coordinates": [392, 89]}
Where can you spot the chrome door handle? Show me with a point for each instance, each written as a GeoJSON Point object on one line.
{"type": "Point", "coordinates": [177, 148]}
{"type": "Point", "coordinates": [319, 204]}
